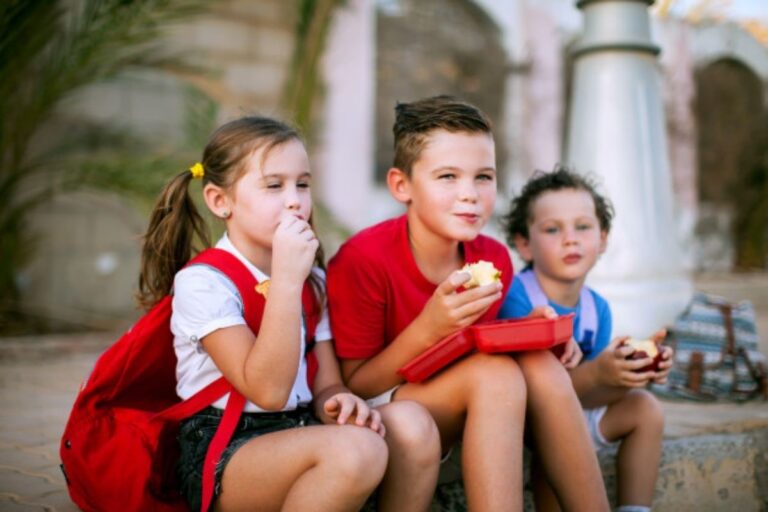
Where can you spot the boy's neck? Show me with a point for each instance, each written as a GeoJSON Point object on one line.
{"type": "Point", "coordinates": [435, 256]}
{"type": "Point", "coordinates": [563, 293]}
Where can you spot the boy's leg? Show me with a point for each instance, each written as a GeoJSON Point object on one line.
{"type": "Point", "coordinates": [483, 396]}
{"type": "Point", "coordinates": [638, 419]}
{"type": "Point", "coordinates": [559, 432]}
{"type": "Point", "coordinates": [326, 467]}
{"type": "Point", "coordinates": [544, 498]}
{"type": "Point", "coordinates": [414, 457]}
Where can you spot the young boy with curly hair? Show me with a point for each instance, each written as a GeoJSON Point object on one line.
{"type": "Point", "coordinates": [559, 225]}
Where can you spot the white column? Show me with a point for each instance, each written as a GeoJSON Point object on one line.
{"type": "Point", "coordinates": [617, 131]}
{"type": "Point", "coordinates": [346, 136]}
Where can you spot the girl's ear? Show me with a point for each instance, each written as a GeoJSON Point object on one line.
{"type": "Point", "coordinates": [603, 240]}
{"type": "Point", "coordinates": [217, 200]}
{"type": "Point", "coordinates": [523, 248]}
{"type": "Point", "coordinates": [399, 185]}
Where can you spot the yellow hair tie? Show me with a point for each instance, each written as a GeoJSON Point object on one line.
{"type": "Point", "coordinates": [197, 171]}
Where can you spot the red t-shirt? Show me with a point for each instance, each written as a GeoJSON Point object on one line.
{"type": "Point", "coordinates": [375, 289]}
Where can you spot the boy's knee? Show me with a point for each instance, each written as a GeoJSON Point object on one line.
{"type": "Point", "coordinates": [544, 372]}
{"type": "Point", "coordinates": [412, 428]}
{"type": "Point", "coordinates": [496, 374]}
{"type": "Point", "coordinates": [646, 406]}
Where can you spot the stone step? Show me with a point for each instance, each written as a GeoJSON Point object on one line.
{"type": "Point", "coordinates": [715, 458]}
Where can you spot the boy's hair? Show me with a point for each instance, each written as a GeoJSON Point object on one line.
{"type": "Point", "coordinates": [414, 121]}
{"type": "Point", "coordinates": [175, 223]}
{"type": "Point", "coordinates": [560, 178]}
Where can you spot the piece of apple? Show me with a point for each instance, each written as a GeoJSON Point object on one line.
{"type": "Point", "coordinates": [643, 349]}
{"type": "Point", "coordinates": [481, 273]}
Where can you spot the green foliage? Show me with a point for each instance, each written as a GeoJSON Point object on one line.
{"type": "Point", "coordinates": [311, 35]}
{"type": "Point", "coordinates": [48, 51]}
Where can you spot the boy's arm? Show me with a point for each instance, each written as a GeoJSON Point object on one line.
{"type": "Point", "coordinates": [446, 312]}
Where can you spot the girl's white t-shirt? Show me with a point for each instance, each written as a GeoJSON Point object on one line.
{"type": "Point", "coordinates": [204, 300]}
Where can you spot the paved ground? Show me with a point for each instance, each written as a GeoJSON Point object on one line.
{"type": "Point", "coordinates": [39, 378]}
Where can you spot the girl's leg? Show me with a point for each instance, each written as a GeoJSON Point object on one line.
{"type": "Point", "coordinates": [414, 458]}
{"type": "Point", "coordinates": [638, 418]}
{"type": "Point", "coordinates": [483, 395]}
{"type": "Point", "coordinates": [560, 435]}
{"type": "Point", "coordinates": [326, 467]}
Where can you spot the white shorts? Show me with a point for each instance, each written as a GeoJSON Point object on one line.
{"type": "Point", "coordinates": [593, 417]}
{"type": "Point", "coordinates": [382, 399]}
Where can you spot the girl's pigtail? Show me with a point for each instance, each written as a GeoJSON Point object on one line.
{"type": "Point", "coordinates": [173, 226]}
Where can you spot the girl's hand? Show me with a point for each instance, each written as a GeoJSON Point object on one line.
{"type": "Point", "coordinates": [294, 246]}
{"type": "Point", "coordinates": [448, 310]}
{"type": "Point", "coordinates": [349, 408]}
{"type": "Point", "coordinates": [614, 369]}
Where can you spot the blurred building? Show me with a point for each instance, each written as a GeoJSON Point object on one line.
{"type": "Point", "coordinates": [511, 58]}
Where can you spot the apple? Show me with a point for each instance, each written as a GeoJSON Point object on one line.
{"type": "Point", "coordinates": [481, 273]}
{"type": "Point", "coordinates": [643, 349]}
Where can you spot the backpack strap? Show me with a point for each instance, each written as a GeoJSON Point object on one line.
{"type": "Point", "coordinates": [253, 311]}
{"type": "Point", "coordinates": [311, 317]}
{"type": "Point", "coordinates": [587, 314]}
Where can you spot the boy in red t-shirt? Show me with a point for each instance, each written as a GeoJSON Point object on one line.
{"type": "Point", "coordinates": [393, 291]}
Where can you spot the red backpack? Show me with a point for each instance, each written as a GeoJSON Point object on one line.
{"type": "Point", "coordinates": [119, 448]}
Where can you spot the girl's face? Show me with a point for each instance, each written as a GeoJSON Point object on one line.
{"type": "Point", "coordinates": [270, 189]}
{"type": "Point", "coordinates": [564, 237]}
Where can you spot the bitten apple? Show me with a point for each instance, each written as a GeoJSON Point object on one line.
{"type": "Point", "coordinates": [643, 349]}
{"type": "Point", "coordinates": [481, 273]}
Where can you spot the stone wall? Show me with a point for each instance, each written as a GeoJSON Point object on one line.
{"type": "Point", "coordinates": [85, 269]}
{"type": "Point", "coordinates": [419, 56]}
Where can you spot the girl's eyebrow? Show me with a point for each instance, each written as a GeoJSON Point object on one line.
{"type": "Point", "coordinates": [278, 174]}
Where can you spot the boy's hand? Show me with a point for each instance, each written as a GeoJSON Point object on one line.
{"type": "Point", "coordinates": [665, 365]}
{"type": "Point", "coordinates": [448, 311]}
{"type": "Point", "coordinates": [349, 408]}
{"type": "Point", "coordinates": [614, 369]}
{"type": "Point", "coordinates": [294, 246]}
{"type": "Point", "coordinates": [572, 354]}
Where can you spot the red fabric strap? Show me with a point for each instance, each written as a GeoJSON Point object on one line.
{"type": "Point", "coordinates": [196, 402]}
{"type": "Point", "coordinates": [219, 443]}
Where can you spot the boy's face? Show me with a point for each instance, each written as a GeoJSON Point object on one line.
{"type": "Point", "coordinates": [564, 237]}
{"type": "Point", "coordinates": [452, 187]}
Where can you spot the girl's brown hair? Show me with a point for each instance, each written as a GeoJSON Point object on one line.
{"type": "Point", "coordinates": [175, 222]}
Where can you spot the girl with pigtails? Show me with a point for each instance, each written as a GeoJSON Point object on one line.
{"type": "Point", "coordinates": [299, 445]}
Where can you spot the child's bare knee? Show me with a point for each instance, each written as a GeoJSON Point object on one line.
{"type": "Point", "coordinates": [647, 407]}
{"type": "Point", "coordinates": [359, 455]}
{"type": "Point", "coordinates": [544, 372]}
{"type": "Point", "coordinates": [412, 428]}
{"type": "Point", "coordinates": [496, 374]}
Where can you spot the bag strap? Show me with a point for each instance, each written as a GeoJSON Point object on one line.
{"type": "Point", "coordinates": [227, 426]}
{"type": "Point", "coordinates": [587, 314]}
{"type": "Point", "coordinates": [253, 312]}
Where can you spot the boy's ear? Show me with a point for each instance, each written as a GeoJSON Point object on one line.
{"type": "Point", "coordinates": [523, 248]}
{"type": "Point", "coordinates": [603, 240]}
{"type": "Point", "coordinates": [399, 185]}
{"type": "Point", "coordinates": [217, 200]}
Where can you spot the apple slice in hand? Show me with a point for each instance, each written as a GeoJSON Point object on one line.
{"type": "Point", "coordinates": [643, 349]}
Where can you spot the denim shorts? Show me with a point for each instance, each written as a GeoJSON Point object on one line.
{"type": "Point", "coordinates": [196, 433]}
